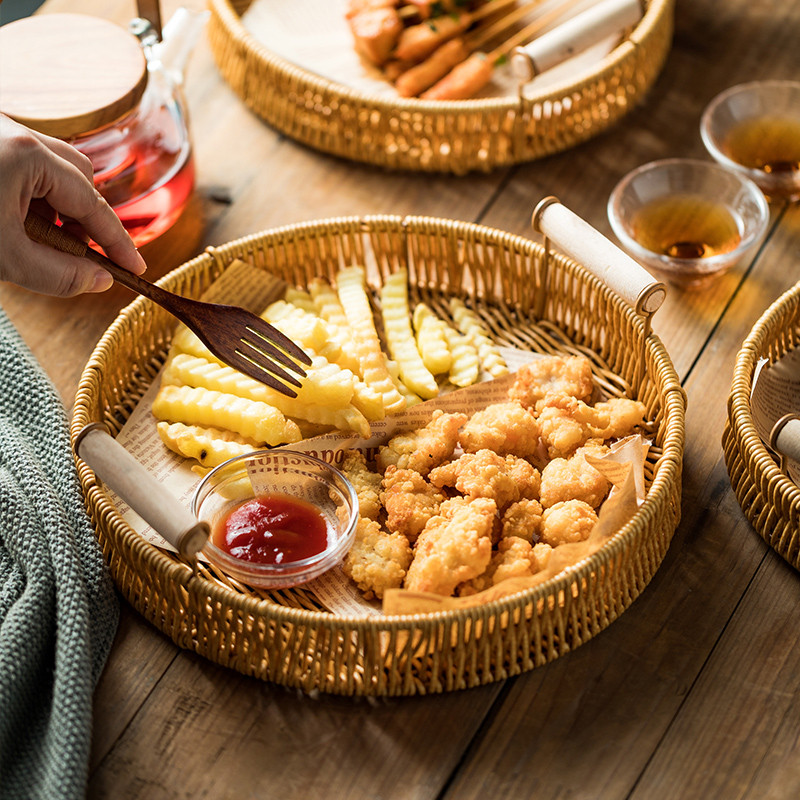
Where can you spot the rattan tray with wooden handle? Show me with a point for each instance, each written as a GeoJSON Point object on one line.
{"type": "Point", "coordinates": [530, 297]}
{"type": "Point", "coordinates": [767, 495]}
{"type": "Point", "coordinates": [439, 136]}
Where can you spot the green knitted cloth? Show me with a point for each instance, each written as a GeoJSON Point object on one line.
{"type": "Point", "coordinates": [58, 609]}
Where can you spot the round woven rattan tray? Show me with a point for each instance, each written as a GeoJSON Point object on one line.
{"type": "Point", "coordinates": [530, 298]}
{"type": "Point", "coordinates": [769, 498]}
{"type": "Point", "coordinates": [443, 136]}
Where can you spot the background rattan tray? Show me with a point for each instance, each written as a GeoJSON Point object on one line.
{"type": "Point", "coordinates": [453, 136]}
{"type": "Point", "coordinates": [768, 497]}
{"type": "Point", "coordinates": [530, 298]}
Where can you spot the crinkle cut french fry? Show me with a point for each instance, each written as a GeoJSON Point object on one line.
{"type": "Point", "coordinates": [400, 337]}
{"type": "Point", "coordinates": [308, 330]}
{"type": "Point", "coordinates": [208, 446]}
{"type": "Point", "coordinates": [300, 298]}
{"type": "Point", "coordinates": [368, 401]}
{"type": "Point", "coordinates": [431, 341]}
{"type": "Point", "coordinates": [303, 327]}
{"type": "Point", "coordinates": [327, 304]}
{"type": "Point", "coordinates": [326, 301]}
{"type": "Point", "coordinates": [324, 382]}
{"type": "Point", "coordinates": [251, 419]}
{"type": "Point", "coordinates": [470, 324]}
{"type": "Point", "coordinates": [394, 370]}
{"type": "Point", "coordinates": [465, 368]}
{"type": "Point", "coordinates": [185, 341]}
{"type": "Point", "coordinates": [318, 400]}
{"type": "Point", "coordinates": [352, 292]}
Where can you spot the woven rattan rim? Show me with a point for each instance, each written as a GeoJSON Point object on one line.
{"type": "Point", "coordinates": [769, 499]}
{"type": "Point", "coordinates": [418, 135]}
{"type": "Point", "coordinates": [540, 624]}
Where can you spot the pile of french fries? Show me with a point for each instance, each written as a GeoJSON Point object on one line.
{"type": "Point", "coordinates": [365, 366]}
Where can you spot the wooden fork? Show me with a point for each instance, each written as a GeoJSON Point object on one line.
{"type": "Point", "coordinates": [241, 339]}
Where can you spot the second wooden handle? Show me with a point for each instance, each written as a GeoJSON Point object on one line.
{"type": "Point", "coordinates": [599, 255]}
{"type": "Point", "coordinates": [574, 36]}
{"type": "Point", "coordinates": [119, 470]}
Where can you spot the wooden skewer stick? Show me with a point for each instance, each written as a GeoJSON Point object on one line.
{"type": "Point", "coordinates": [491, 7]}
{"type": "Point", "coordinates": [529, 31]}
{"type": "Point", "coordinates": [411, 12]}
{"type": "Point", "coordinates": [484, 35]}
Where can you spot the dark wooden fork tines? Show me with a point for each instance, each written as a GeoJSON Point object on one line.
{"type": "Point", "coordinates": [238, 337]}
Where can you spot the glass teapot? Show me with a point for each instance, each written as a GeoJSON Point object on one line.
{"type": "Point", "coordinates": [117, 97]}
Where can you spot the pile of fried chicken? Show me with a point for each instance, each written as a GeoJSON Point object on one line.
{"type": "Point", "coordinates": [420, 47]}
{"type": "Point", "coordinates": [465, 502]}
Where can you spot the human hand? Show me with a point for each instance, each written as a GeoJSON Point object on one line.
{"type": "Point", "coordinates": [51, 177]}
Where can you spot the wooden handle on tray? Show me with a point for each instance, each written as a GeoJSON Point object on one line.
{"type": "Point", "coordinates": [119, 470]}
{"type": "Point", "coordinates": [785, 437]}
{"type": "Point", "coordinates": [599, 255]}
{"type": "Point", "coordinates": [574, 36]}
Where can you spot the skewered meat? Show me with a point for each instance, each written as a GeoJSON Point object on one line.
{"type": "Point", "coordinates": [376, 31]}
{"type": "Point", "coordinates": [422, 76]}
{"type": "Point", "coordinates": [463, 81]}
{"type": "Point", "coordinates": [417, 42]}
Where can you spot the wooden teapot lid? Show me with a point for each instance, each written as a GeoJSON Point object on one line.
{"type": "Point", "coordinates": [69, 74]}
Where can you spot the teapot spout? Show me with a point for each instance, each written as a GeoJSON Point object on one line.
{"type": "Point", "coordinates": [179, 38]}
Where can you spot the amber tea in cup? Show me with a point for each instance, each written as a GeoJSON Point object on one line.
{"type": "Point", "coordinates": [686, 226]}
{"type": "Point", "coordinates": [768, 143]}
{"type": "Point", "coordinates": [686, 220]}
{"type": "Point", "coordinates": [754, 129]}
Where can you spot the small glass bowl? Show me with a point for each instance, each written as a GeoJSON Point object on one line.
{"type": "Point", "coordinates": [754, 129]}
{"type": "Point", "coordinates": [287, 472]}
{"type": "Point", "coordinates": [686, 220]}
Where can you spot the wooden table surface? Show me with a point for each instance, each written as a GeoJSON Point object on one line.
{"type": "Point", "coordinates": [693, 693]}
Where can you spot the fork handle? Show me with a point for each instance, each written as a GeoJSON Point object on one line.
{"type": "Point", "coordinates": [45, 232]}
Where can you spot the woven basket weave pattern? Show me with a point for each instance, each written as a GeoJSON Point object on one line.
{"type": "Point", "coordinates": [769, 499]}
{"type": "Point", "coordinates": [458, 136]}
{"type": "Point", "coordinates": [284, 636]}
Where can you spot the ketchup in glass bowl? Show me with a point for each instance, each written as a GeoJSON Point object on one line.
{"type": "Point", "coordinates": [278, 518]}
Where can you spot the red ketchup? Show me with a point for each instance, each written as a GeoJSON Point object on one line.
{"type": "Point", "coordinates": [272, 529]}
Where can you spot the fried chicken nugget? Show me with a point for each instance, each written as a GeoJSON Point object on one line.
{"type": "Point", "coordinates": [573, 478]}
{"type": "Point", "coordinates": [455, 546]}
{"type": "Point", "coordinates": [426, 448]}
{"type": "Point", "coordinates": [378, 560]}
{"type": "Point", "coordinates": [566, 522]}
{"type": "Point", "coordinates": [552, 375]}
{"type": "Point", "coordinates": [624, 416]}
{"type": "Point", "coordinates": [506, 428]}
{"type": "Point", "coordinates": [514, 558]}
{"type": "Point", "coordinates": [366, 483]}
{"type": "Point", "coordinates": [410, 501]}
{"type": "Point", "coordinates": [486, 474]}
{"type": "Point", "coordinates": [565, 424]}
{"type": "Point", "coordinates": [522, 520]}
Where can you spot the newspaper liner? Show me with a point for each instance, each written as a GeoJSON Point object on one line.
{"type": "Point", "coordinates": [775, 394]}
{"type": "Point", "coordinates": [254, 289]}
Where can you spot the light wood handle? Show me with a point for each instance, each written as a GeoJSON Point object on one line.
{"type": "Point", "coordinates": [599, 255]}
{"type": "Point", "coordinates": [574, 36]}
{"type": "Point", "coordinates": [785, 438]}
{"type": "Point", "coordinates": [119, 470]}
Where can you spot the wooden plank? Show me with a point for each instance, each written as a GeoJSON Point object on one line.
{"type": "Point", "coordinates": [140, 656]}
{"type": "Point", "coordinates": [210, 732]}
{"type": "Point", "coordinates": [737, 736]}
